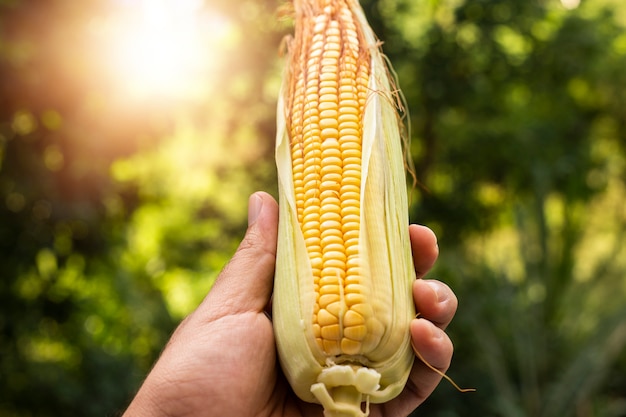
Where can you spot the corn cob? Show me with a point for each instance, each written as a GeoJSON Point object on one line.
{"type": "Point", "coordinates": [342, 295]}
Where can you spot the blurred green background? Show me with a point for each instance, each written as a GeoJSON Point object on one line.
{"type": "Point", "coordinates": [133, 132]}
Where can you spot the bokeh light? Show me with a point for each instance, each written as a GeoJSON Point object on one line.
{"type": "Point", "coordinates": [162, 48]}
{"type": "Point", "coordinates": [570, 4]}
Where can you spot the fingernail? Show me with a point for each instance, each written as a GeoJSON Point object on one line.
{"type": "Point", "coordinates": [439, 290]}
{"type": "Point", "coordinates": [436, 332]}
{"type": "Point", "coordinates": [255, 204]}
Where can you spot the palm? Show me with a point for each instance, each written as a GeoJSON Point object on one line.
{"type": "Point", "coordinates": [252, 383]}
{"type": "Point", "coordinates": [222, 358]}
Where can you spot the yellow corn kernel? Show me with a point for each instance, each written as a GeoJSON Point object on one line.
{"type": "Point", "coordinates": [342, 296]}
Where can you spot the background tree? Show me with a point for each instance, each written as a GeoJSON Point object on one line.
{"type": "Point", "coordinates": [517, 114]}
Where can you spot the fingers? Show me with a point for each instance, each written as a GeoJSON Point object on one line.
{"type": "Point", "coordinates": [434, 349]}
{"type": "Point", "coordinates": [424, 248]}
{"type": "Point", "coordinates": [245, 284]}
{"type": "Point", "coordinates": [434, 301]}
{"type": "Point", "coordinates": [431, 345]}
{"type": "Point", "coordinates": [436, 305]}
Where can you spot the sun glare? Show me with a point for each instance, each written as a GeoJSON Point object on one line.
{"type": "Point", "coordinates": [163, 48]}
{"type": "Point", "coordinates": [570, 4]}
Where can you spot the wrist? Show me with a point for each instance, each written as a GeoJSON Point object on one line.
{"type": "Point", "coordinates": [146, 404]}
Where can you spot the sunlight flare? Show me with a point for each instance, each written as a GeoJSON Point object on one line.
{"type": "Point", "coordinates": [570, 4]}
{"type": "Point", "coordinates": [164, 48]}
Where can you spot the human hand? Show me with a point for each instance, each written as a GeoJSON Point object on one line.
{"type": "Point", "coordinates": [221, 360]}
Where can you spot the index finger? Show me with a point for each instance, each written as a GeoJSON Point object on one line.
{"type": "Point", "coordinates": [424, 247]}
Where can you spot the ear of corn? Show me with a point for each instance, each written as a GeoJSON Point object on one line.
{"type": "Point", "coordinates": [342, 295]}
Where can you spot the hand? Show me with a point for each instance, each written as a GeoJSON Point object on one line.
{"type": "Point", "coordinates": [221, 361]}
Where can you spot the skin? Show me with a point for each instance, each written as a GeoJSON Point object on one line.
{"type": "Point", "coordinates": [221, 360]}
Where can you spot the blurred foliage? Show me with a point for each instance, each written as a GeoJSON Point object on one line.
{"type": "Point", "coordinates": [117, 212]}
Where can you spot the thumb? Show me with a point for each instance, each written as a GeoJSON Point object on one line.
{"type": "Point", "coordinates": [245, 284]}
